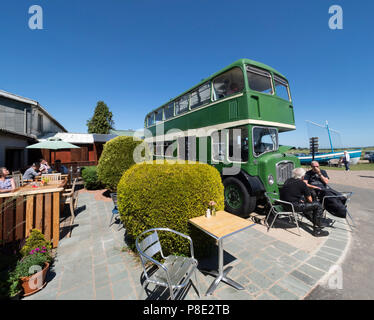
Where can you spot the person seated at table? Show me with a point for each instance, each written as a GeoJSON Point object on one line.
{"type": "Point", "coordinates": [6, 184]}
{"type": "Point", "coordinates": [60, 167]}
{"type": "Point", "coordinates": [44, 167]}
{"type": "Point", "coordinates": [317, 180]}
{"type": "Point", "coordinates": [296, 191]}
{"type": "Point", "coordinates": [32, 172]}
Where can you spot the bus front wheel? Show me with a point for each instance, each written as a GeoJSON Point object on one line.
{"type": "Point", "coordinates": [237, 198]}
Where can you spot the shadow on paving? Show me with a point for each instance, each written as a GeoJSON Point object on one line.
{"type": "Point", "coordinates": [357, 276]}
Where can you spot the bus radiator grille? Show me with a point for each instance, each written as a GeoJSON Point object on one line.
{"type": "Point", "coordinates": [284, 171]}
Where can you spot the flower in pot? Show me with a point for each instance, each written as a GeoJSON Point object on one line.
{"type": "Point", "coordinates": [35, 240]}
{"type": "Point", "coordinates": [212, 207]}
{"type": "Point", "coordinates": [31, 271]}
{"type": "Point", "coordinates": [44, 181]}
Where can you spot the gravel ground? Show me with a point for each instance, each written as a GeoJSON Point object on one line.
{"type": "Point", "coordinates": [359, 179]}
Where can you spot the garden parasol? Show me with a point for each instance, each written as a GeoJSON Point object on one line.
{"type": "Point", "coordinates": [53, 144]}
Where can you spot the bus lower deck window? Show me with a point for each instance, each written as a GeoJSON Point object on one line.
{"type": "Point", "coordinates": [219, 145]}
{"type": "Point", "coordinates": [264, 140]}
{"type": "Point", "coordinates": [238, 144]}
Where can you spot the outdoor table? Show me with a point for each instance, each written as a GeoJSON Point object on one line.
{"type": "Point", "coordinates": [31, 207]}
{"type": "Point", "coordinates": [221, 226]}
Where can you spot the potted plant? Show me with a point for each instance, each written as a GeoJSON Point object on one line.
{"type": "Point", "coordinates": [36, 239]}
{"type": "Point", "coordinates": [31, 271]}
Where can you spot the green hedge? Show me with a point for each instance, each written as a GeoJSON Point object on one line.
{"type": "Point", "coordinates": [116, 158]}
{"type": "Point", "coordinates": [90, 178]}
{"type": "Point", "coordinates": [152, 195]}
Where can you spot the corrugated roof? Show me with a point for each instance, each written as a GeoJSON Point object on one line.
{"type": "Point", "coordinates": [103, 137]}
{"type": "Point", "coordinates": [70, 137]}
{"type": "Point", "coordinates": [129, 132]}
{"type": "Point", "coordinates": [83, 138]}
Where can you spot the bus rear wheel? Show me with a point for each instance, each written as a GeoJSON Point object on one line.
{"type": "Point", "coordinates": [237, 199]}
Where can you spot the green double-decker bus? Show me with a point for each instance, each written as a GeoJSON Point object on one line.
{"type": "Point", "coordinates": [231, 120]}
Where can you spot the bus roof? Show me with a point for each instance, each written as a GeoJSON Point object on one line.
{"type": "Point", "coordinates": [239, 62]}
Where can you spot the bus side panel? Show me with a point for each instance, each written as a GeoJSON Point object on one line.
{"type": "Point", "coordinates": [270, 108]}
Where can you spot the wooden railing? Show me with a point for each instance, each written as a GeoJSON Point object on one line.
{"type": "Point", "coordinates": [22, 211]}
{"type": "Point", "coordinates": [80, 164]}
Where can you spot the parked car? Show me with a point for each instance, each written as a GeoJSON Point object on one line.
{"type": "Point", "coordinates": [371, 159]}
{"type": "Point", "coordinates": [368, 154]}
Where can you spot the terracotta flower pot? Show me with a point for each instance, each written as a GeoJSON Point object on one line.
{"type": "Point", "coordinates": [37, 282]}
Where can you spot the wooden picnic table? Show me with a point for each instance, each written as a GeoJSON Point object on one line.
{"type": "Point", "coordinates": [32, 206]}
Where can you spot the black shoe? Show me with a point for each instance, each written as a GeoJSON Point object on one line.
{"type": "Point", "coordinates": [326, 223]}
{"type": "Point", "coordinates": [318, 232]}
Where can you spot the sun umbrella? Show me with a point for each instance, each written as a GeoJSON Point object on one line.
{"type": "Point", "coordinates": [52, 144]}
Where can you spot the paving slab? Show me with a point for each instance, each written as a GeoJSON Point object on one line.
{"type": "Point", "coordinates": [273, 265]}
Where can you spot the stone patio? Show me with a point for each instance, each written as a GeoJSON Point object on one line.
{"type": "Point", "coordinates": [95, 264]}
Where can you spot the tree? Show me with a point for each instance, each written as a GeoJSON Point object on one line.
{"type": "Point", "coordinates": [101, 122]}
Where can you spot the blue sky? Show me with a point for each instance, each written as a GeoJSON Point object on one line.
{"type": "Point", "coordinates": [137, 54]}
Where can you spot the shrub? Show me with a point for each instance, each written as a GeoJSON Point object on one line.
{"type": "Point", "coordinates": [90, 178]}
{"type": "Point", "coordinates": [116, 158]}
{"type": "Point", "coordinates": [35, 240]}
{"type": "Point", "coordinates": [168, 195]}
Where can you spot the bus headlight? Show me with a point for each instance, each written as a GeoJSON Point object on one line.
{"type": "Point", "coordinates": [270, 179]}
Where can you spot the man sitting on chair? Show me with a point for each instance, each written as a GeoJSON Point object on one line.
{"type": "Point", "coordinates": [296, 191]}
{"type": "Point", "coordinates": [317, 180]}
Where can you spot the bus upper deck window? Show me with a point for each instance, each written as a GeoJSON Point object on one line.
{"type": "Point", "coordinates": [151, 119]}
{"type": "Point", "coordinates": [281, 88]}
{"type": "Point", "coordinates": [228, 83]}
{"type": "Point", "coordinates": [181, 105]}
{"type": "Point", "coordinates": [200, 96]}
{"type": "Point", "coordinates": [158, 115]}
{"type": "Point", "coordinates": [259, 80]}
{"type": "Point", "coordinates": [169, 111]}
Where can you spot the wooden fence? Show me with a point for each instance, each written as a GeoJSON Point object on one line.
{"type": "Point", "coordinates": [22, 212]}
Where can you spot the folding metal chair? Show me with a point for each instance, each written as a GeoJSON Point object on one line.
{"type": "Point", "coordinates": [277, 209]}
{"type": "Point", "coordinates": [345, 194]}
{"type": "Point", "coordinates": [115, 212]}
{"type": "Point", "coordinates": [175, 272]}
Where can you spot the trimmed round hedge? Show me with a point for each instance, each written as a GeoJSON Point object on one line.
{"type": "Point", "coordinates": [154, 195]}
{"type": "Point", "coordinates": [117, 157]}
